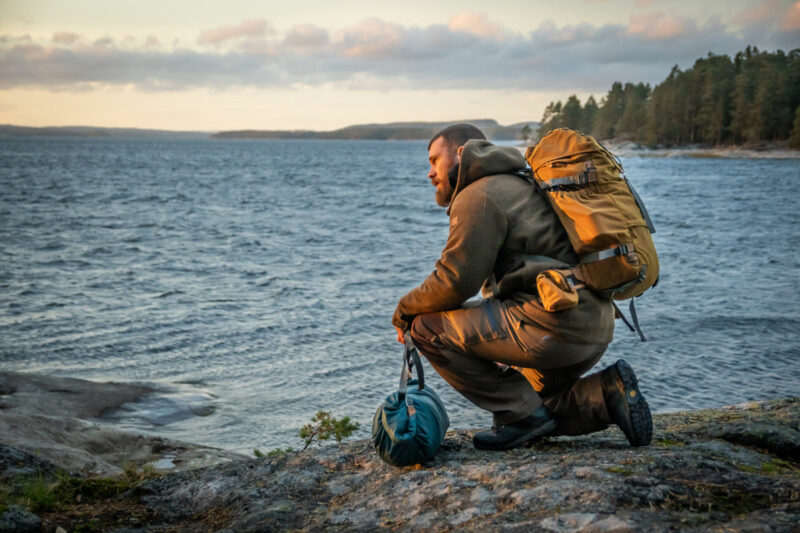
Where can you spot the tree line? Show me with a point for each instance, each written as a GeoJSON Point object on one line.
{"type": "Point", "coordinates": [751, 98]}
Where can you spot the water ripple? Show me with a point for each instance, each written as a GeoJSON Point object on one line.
{"type": "Point", "coordinates": [267, 271]}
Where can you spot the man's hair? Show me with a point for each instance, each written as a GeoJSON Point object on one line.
{"type": "Point", "coordinates": [458, 134]}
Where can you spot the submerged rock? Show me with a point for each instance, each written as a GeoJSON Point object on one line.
{"type": "Point", "coordinates": [56, 418]}
{"type": "Point", "coordinates": [35, 394]}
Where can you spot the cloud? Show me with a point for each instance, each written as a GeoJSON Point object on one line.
{"type": "Point", "coordinates": [106, 41]}
{"type": "Point", "coordinates": [59, 68]}
{"type": "Point", "coordinates": [659, 26]}
{"type": "Point", "coordinates": [371, 38]}
{"type": "Point", "coordinates": [766, 9]}
{"type": "Point", "coordinates": [791, 18]}
{"type": "Point", "coordinates": [774, 21]}
{"type": "Point", "coordinates": [476, 24]}
{"type": "Point", "coordinates": [65, 37]}
{"type": "Point", "coordinates": [306, 35]}
{"type": "Point", "coordinates": [468, 51]}
{"type": "Point", "coordinates": [247, 28]}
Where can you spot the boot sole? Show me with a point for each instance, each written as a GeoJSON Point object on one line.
{"type": "Point", "coordinates": [641, 417]}
{"type": "Point", "coordinates": [530, 438]}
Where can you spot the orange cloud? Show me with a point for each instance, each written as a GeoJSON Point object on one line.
{"type": "Point", "coordinates": [657, 26]}
{"type": "Point", "coordinates": [761, 11]}
{"type": "Point", "coordinates": [370, 38]}
{"type": "Point", "coordinates": [476, 24]}
{"type": "Point", "coordinates": [247, 28]}
{"type": "Point", "coordinates": [791, 19]}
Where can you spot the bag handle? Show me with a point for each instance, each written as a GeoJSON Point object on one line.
{"type": "Point", "coordinates": [410, 360]}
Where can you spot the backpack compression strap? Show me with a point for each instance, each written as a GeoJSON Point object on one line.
{"type": "Point", "coordinates": [635, 327]}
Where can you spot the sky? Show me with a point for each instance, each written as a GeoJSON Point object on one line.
{"type": "Point", "coordinates": [312, 64]}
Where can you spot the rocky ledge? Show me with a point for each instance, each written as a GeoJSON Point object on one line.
{"type": "Point", "coordinates": [730, 469]}
{"type": "Point", "coordinates": [59, 420]}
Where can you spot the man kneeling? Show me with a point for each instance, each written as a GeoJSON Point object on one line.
{"type": "Point", "coordinates": [502, 235]}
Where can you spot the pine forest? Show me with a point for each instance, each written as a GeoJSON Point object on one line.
{"type": "Point", "coordinates": [752, 98]}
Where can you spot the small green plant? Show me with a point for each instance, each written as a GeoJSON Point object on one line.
{"type": "Point", "coordinates": [258, 453]}
{"type": "Point", "coordinates": [619, 470]}
{"type": "Point", "coordinates": [776, 465]}
{"type": "Point", "coordinates": [772, 466]}
{"type": "Point", "coordinates": [323, 426]}
{"type": "Point", "coordinates": [39, 494]}
{"type": "Point", "coordinates": [133, 474]}
{"type": "Point", "coordinates": [669, 442]}
{"type": "Point", "coordinates": [277, 452]}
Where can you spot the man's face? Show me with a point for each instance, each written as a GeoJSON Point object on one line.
{"type": "Point", "coordinates": [442, 157]}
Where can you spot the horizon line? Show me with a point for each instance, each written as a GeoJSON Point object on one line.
{"type": "Point", "coordinates": [140, 128]}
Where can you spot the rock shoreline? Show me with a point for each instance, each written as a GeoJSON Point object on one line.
{"type": "Point", "coordinates": [730, 469]}
{"type": "Point", "coordinates": [633, 149]}
{"type": "Point", "coordinates": [767, 151]}
{"type": "Point", "coordinates": [57, 419]}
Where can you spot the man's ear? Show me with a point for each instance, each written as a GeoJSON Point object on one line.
{"type": "Point", "coordinates": [458, 152]}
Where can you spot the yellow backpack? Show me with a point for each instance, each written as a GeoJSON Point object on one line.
{"type": "Point", "coordinates": [605, 219]}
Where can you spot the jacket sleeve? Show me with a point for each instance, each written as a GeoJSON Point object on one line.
{"type": "Point", "coordinates": [477, 231]}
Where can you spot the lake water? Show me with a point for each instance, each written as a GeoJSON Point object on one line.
{"type": "Point", "coordinates": [254, 281]}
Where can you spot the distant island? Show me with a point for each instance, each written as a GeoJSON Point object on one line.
{"type": "Point", "coordinates": [384, 132]}
{"type": "Point", "coordinates": [8, 131]}
{"type": "Point", "coordinates": [393, 131]}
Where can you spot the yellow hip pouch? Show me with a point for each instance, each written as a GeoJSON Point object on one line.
{"type": "Point", "coordinates": [557, 291]}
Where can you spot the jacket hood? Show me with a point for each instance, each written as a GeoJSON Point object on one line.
{"type": "Point", "coordinates": [481, 158]}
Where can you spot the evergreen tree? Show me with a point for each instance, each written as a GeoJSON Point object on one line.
{"type": "Point", "coordinates": [526, 133]}
{"type": "Point", "coordinates": [743, 93]}
{"type": "Point", "coordinates": [632, 122]}
{"type": "Point", "coordinates": [551, 118]}
{"type": "Point", "coordinates": [571, 113]}
{"type": "Point", "coordinates": [588, 115]}
{"type": "Point", "coordinates": [765, 111]}
{"type": "Point", "coordinates": [663, 110]}
{"type": "Point", "coordinates": [794, 139]}
{"type": "Point", "coordinates": [793, 79]}
{"type": "Point", "coordinates": [611, 109]}
{"type": "Point", "coordinates": [718, 73]}
{"type": "Point", "coordinates": [753, 97]}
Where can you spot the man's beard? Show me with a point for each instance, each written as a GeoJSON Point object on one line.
{"type": "Point", "coordinates": [443, 197]}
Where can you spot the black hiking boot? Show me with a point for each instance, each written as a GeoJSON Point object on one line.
{"type": "Point", "coordinates": [530, 429]}
{"type": "Point", "coordinates": [626, 404]}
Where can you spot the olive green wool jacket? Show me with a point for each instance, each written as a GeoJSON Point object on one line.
{"type": "Point", "coordinates": [496, 220]}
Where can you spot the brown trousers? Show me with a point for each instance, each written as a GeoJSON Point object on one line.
{"type": "Point", "coordinates": [465, 346]}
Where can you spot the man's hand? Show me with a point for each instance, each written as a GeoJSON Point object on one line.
{"type": "Point", "coordinates": [400, 337]}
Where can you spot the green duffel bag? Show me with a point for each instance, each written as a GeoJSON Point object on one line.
{"type": "Point", "coordinates": [409, 426]}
